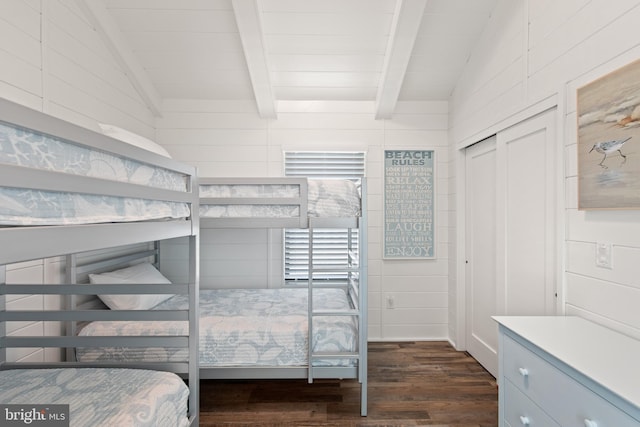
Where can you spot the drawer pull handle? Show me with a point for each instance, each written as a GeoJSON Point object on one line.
{"type": "Point", "coordinates": [590, 423]}
{"type": "Point", "coordinates": [524, 372]}
{"type": "Point", "coordinates": [525, 420]}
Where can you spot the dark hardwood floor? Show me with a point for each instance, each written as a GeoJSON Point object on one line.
{"type": "Point", "coordinates": [410, 383]}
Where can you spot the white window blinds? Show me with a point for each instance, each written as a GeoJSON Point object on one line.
{"type": "Point", "coordinates": [330, 246]}
{"type": "Point", "coordinates": [344, 165]}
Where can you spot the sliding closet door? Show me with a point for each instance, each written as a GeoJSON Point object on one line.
{"type": "Point", "coordinates": [481, 226]}
{"type": "Point", "coordinates": [530, 229]}
{"type": "Point", "coordinates": [511, 230]}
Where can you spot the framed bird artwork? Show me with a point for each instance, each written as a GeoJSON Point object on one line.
{"type": "Point", "coordinates": [609, 141]}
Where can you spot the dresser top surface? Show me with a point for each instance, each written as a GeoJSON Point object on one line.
{"type": "Point", "coordinates": [609, 358]}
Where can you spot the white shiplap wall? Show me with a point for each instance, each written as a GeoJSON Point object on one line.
{"type": "Point", "coordinates": [535, 51]}
{"type": "Point", "coordinates": [230, 139]}
{"type": "Point", "coordinates": [20, 52]}
{"type": "Point", "coordinates": [53, 61]}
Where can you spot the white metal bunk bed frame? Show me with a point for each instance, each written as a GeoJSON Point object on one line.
{"type": "Point", "coordinates": [356, 286]}
{"type": "Point", "coordinates": [24, 243]}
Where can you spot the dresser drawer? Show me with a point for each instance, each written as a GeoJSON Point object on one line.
{"type": "Point", "coordinates": [581, 407]}
{"type": "Point", "coordinates": [520, 411]}
{"type": "Point", "coordinates": [567, 401]}
{"type": "Point", "coordinates": [534, 376]}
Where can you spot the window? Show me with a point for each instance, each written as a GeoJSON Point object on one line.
{"type": "Point", "coordinates": [329, 245]}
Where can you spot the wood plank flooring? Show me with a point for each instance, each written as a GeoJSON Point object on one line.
{"type": "Point", "coordinates": [410, 383]}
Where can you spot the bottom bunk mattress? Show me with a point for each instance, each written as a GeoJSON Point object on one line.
{"type": "Point", "coordinates": [242, 327]}
{"type": "Point", "coordinates": [101, 396]}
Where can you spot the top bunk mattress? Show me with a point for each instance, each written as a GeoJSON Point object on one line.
{"type": "Point", "coordinates": [101, 396]}
{"type": "Point", "coordinates": [30, 150]}
{"type": "Point", "coordinates": [328, 198]}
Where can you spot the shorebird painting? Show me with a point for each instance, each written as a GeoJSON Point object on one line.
{"type": "Point", "coordinates": [608, 147]}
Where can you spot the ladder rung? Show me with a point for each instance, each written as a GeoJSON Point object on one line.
{"type": "Point", "coordinates": [323, 285]}
{"type": "Point", "coordinates": [332, 355]}
{"type": "Point", "coordinates": [335, 268]}
{"type": "Point", "coordinates": [336, 312]}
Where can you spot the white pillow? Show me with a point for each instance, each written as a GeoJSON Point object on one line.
{"type": "Point", "coordinates": [133, 139]}
{"type": "Point", "coordinates": [139, 273]}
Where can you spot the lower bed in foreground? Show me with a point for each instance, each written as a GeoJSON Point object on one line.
{"type": "Point", "coordinates": [101, 396]}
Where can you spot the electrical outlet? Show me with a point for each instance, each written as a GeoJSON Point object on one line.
{"type": "Point", "coordinates": [391, 304]}
{"type": "Point", "coordinates": [603, 255]}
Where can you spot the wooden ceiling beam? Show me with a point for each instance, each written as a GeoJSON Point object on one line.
{"type": "Point", "coordinates": [249, 20]}
{"type": "Point", "coordinates": [404, 30]}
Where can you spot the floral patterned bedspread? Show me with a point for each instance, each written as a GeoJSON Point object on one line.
{"type": "Point", "coordinates": [32, 207]}
{"type": "Point", "coordinates": [241, 327]}
{"type": "Point", "coordinates": [102, 396]}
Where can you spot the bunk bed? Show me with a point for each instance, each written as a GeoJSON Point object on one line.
{"type": "Point", "coordinates": [66, 190]}
{"type": "Point", "coordinates": [314, 331]}
{"type": "Point", "coordinates": [332, 321]}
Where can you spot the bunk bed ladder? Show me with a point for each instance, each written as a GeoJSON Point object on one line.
{"type": "Point", "coordinates": [352, 271]}
{"type": "Point", "coordinates": [355, 270]}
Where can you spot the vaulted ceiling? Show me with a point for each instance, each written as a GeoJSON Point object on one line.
{"type": "Point", "coordinates": [272, 50]}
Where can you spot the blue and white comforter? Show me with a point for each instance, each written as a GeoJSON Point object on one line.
{"type": "Point", "coordinates": [241, 327]}
{"type": "Point", "coordinates": [32, 207]}
{"type": "Point", "coordinates": [102, 396]}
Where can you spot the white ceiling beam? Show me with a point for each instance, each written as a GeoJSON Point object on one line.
{"type": "Point", "coordinates": [106, 27]}
{"type": "Point", "coordinates": [249, 19]}
{"type": "Point", "coordinates": [404, 30]}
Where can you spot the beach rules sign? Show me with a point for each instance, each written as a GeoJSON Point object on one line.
{"type": "Point", "coordinates": [409, 184]}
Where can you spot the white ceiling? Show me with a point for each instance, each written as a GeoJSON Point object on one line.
{"type": "Point", "coordinates": [272, 50]}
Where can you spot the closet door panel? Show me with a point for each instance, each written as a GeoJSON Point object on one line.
{"type": "Point", "coordinates": [530, 192]}
{"type": "Point", "coordinates": [482, 332]}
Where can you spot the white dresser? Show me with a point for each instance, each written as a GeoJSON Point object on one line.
{"type": "Point", "coordinates": [568, 372]}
